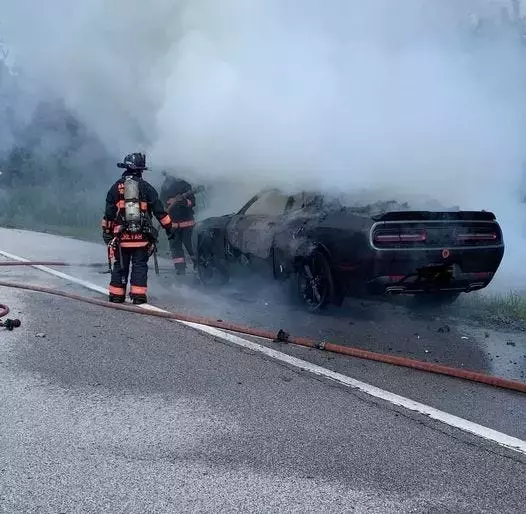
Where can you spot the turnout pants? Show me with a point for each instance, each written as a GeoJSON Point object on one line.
{"type": "Point", "coordinates": [137, 260]}
{"type": "Point", "coordinates": [181, 236]}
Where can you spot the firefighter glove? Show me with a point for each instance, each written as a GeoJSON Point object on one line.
{"type": "Point", "coordinates": [107, 238]}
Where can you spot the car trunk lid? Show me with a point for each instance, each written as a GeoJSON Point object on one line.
{"type": "Point", "coordinates": [440, 229]}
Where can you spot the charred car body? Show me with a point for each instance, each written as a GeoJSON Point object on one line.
{"type": "Point", "coordinates": [331, 251]}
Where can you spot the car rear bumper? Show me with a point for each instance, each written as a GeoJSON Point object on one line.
{"type": "Point", "coordinates": [462, 270]}
{"type": "Point", "coordinates": [463, 282]}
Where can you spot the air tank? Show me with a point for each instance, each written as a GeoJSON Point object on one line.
{"type": "Point", "coordinates": [132, 210]}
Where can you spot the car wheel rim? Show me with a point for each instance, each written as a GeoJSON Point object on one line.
{"type": "Point", "coordinates": [313, 284]}
{"type": "Point", "coordinates": [206, 270]}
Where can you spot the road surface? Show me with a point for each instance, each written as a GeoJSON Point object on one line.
{"type": "Point", "coordinates": [106, 411]}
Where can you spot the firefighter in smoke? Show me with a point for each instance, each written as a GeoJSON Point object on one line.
{"type": "Point", "coordinates": [128, 229]}
{"type": "Point", "coordinates": [179, 201]}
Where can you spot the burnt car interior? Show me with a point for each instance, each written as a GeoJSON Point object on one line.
{"type": "Point", "coordinates": [273, 202]}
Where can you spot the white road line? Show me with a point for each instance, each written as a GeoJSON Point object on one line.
{"type": "Point", "coordinates": [489, 434]}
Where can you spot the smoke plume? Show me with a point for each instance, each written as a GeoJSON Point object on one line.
{"type": "Point", "coordinates": [404, 97]}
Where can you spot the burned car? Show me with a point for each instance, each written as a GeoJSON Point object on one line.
{"type": "Point", "coordinates": [329, 251]}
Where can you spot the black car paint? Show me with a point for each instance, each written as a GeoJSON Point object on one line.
{"type": "Point", "coordinates": [276, 244]}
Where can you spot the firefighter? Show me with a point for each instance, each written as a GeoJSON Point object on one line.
{"type": "Point", "coordinates": [128, 229]}
{"type": "Point", "coordinates": [179, 201]}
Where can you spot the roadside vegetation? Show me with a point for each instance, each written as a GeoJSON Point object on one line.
{"type": "Point", "coordinates": [505, 310]}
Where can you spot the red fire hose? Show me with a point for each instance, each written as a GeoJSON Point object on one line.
{"type": "Point", "coordinates": [4, 310]}
{"type": "Point", "coordinates": [282, 336]}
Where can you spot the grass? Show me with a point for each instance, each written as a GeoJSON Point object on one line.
{"type": "Point", "coordinates": [497, 309]}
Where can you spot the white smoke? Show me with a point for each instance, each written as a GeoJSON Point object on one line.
{"type": "Point", "coordinates": [337, 95]}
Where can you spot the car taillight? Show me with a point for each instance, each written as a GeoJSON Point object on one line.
{"type": "Point", "coordinates": [482, 236]}
{"type": "Point", "coordinates": [400, 237]}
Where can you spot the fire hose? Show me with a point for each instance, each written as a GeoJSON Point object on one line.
{"type": "Point", "coordinates": [281, 337]}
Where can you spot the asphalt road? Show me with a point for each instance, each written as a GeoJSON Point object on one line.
{"type": "Point", "coordinates": [372, 325]}
{"type": "Point", "coordinates": [383, 326]}
{"type": "Point", "coordinates": [105, 411]}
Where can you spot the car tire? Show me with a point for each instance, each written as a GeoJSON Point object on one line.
{"type": "Point", "coordinates": [317, 266]}
{"type": "Point", "coordinates": [211, 270]}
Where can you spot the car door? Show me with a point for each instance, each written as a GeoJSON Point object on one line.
{"type": "Point", "coordinates": [297, 215]}
{"type": "Point", "coordinates": [237, 225]}
{"type": "Point", "coordinates": [252, 229]}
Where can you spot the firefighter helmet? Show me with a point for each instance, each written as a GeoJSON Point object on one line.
{"type": "Point", "coordinates": [134, 161]}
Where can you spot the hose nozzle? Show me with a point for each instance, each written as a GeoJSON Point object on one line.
{"type": "Point", "coordinates": [10, 324]}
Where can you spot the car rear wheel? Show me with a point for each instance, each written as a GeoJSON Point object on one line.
{"type": "Point", "coordinates": [211, 270]}
{"type": "Point", "coordinates": [314, 281]}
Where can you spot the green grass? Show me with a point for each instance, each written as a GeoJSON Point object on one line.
{"type": "Point", "coordinates": [493, 308]}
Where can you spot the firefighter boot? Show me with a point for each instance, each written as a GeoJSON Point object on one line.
{"type": "Point", "coordinates": [139, 299]}
{"type": "Point", "coordinates": [113, 298]}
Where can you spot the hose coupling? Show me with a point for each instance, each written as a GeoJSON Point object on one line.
{"type": "Point", "coordinates": [9, 324]}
